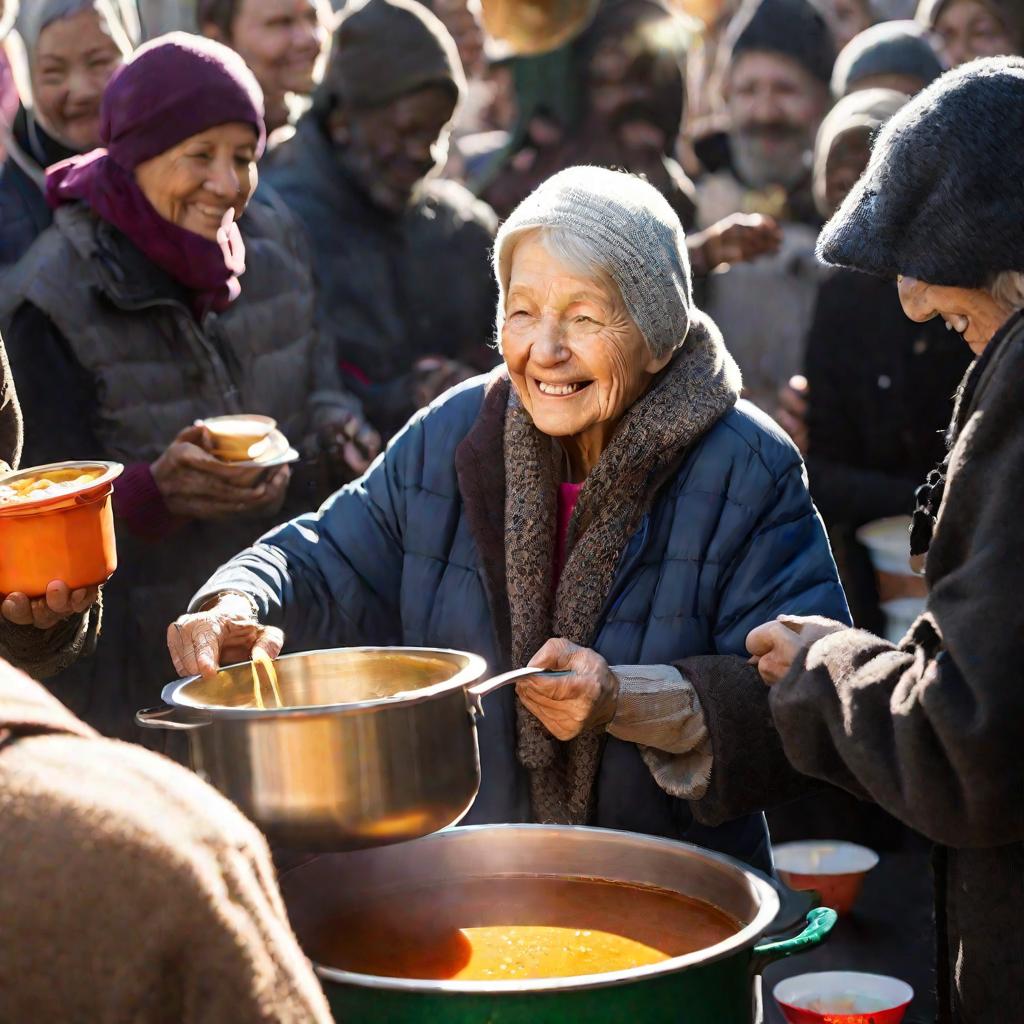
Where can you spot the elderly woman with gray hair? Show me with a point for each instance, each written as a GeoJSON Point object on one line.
{"type": "Point", "coordinates": [932, 728]}
{"type": "Point", "coordinates": [602, 503]}
{"type": "Point", "coordinates": [63, 53]}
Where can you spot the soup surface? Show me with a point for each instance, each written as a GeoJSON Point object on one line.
{"type": "Point", "coordinates": [514, 928]}
{"type": "Point", "coordinates": [47, 485]}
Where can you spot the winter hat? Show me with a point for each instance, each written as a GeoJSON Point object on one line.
{"type": "Point", "coordinates": [176, 86]}
{"type": "Point", "coordinates": [892, 48]}
{"type": "Point", "coordinates": [384, 49]}
{"type": "Point", "coordinates": [793, 28]}
{"type": "Point", "coordinates": [864, 110]}
{"type": "Point", "coordinates": [120, 17]}
{"type": "Point", "coordinates": [631, 230]}
{"type": "Point", "coordinates": [941, 199]}
{"type": "Point", "coordinates": [1009, 12]}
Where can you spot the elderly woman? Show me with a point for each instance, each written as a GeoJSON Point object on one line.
{"type": "Point", "coordinates": [129, 323]}
{"type": "Point", "coordinates": [69, 49]}
{"type": "Point", "coordinates": [932, 728]}
{"type": "Point", "coordinates": [601, 500]}
{"type": "Point", "coordinates": [968, 29]}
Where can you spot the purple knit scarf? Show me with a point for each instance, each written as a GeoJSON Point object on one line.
{"type": "Point", "coordinates": [208, 270]}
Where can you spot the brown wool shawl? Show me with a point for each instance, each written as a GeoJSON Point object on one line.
{"type": "Point", "coordinates": [699, 386]}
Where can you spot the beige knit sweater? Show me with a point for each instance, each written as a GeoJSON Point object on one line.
{"type": "Point", "coordinates": [130, 891]}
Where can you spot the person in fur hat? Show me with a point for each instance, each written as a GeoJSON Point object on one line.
{"type": "Point", "coordinates": [968, 29]}
{"type": "Point", "coordinates": [932, 728]}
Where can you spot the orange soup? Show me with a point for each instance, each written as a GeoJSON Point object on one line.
{"type": "Point", "coordinates": [516, 928]}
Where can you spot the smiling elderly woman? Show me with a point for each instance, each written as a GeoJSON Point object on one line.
{"type": "Point", "coordinates": [602, 500]}
{"type": "Point", "coordinates": [129, 322]}
{"type": "Point", "coordinates": [932, 729]}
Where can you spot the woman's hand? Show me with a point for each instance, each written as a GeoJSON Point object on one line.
{"type": "Point", "coordinates": [351, 444]}
{"type": "Point", "coordinates": [196, 485]}
{"type": "Point", "coordinates": [59, 603]}
{"type": "Point", "coordinates": [226, 632]}
{"type": "Point", "coordinates": [569, 705]}
{"type": "Point", "coordinates": [775, 645]}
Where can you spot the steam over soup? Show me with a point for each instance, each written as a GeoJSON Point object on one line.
{"type": "Point", "coordinates": [515, 928]}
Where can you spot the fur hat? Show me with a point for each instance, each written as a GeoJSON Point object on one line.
{"type": "Point", "coordinates": [792, 28]}
{"type": "Point", "coordinates": [1009, 12]}
{"type": "Point", "coordinates": [941, 199]}
{"type": "Point", "coordinates": [891, 48]}
{"type": "Point", "coordinates": [384, 49]}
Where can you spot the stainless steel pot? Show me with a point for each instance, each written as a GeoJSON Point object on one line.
{"type": "Point", "coordinates": [717, 985]}
{"type": "Point", "coordinates": [374, 745]}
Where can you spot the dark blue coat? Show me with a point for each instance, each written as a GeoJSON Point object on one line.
{"type": "Point", "coordinates": [730, 542]}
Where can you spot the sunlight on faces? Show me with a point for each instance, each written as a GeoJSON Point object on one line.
{"type": "Point", "coordinates": [972, 312]}
{"type": "Point", "coordinates": [73, 61]}
{"type": "Point", "coordinates": [968, 29]}
{"type": "Point", "coordinates": [393, 147]}
{"type": "Point", "coordinates": [775, 108]}
{"type": "Point", "coordinates": [574, 355]}
{"type": "Point", "coordinates": [203, 181]}
{"type": "Point", "coordinates": [281, 41]}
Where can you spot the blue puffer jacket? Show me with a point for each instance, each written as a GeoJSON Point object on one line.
{"type": "Point", "coordinates": [732, 541]}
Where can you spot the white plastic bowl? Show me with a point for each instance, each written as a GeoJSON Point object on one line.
{"type": "Point", "coordinates": [888, 544]}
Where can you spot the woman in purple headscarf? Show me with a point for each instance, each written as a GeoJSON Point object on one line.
{"type": "Point", "coordinates": [130, 319]}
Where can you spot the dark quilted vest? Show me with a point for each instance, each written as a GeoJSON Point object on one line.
{"type": "Point", "coordinates": [156, 370]}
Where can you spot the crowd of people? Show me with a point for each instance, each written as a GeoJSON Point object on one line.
{"type": "Point", "coordinates": [596, 359]}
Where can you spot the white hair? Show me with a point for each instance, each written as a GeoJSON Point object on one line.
{"type": "Point", "coordinates": [572, 251]}
{"type": "Point", "coordinates": [1008, 288]}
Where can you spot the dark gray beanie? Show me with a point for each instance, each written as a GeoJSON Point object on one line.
{"type": "Point", "coordinates": [793, 28]}
{"type": "Point", "coordinates": [1009, 12]}
{"type": "Point", "coordinates": [891, 48]}
{"type": "Point", "coordinates": [384, 49]}
{"type": "Point", "coordinates": [941, 199]}
{"type": "Point", "coordinates": [633, 234]}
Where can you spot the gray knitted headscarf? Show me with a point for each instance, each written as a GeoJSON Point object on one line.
{"type": "Point", "coordinates": [120, 16]}
{"type": "Point", "coordinates": [635, 237]}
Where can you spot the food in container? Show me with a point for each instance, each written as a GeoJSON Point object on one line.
{"type": "Point", "coordinates": [833, 868]}
{"type": "Point", "coordinates": [57, 523]}
{"type": "Point", "coordinates": [843, 997]}
{"type": "Point", "coordinates": [240, 438]}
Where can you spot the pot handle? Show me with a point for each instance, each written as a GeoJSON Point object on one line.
{"type": "Point", "coordinates": [166, 717]}
{"type": "Point", "coordinates": [819, 923]}
{"type": "Point", "coordinates": [478, 691]}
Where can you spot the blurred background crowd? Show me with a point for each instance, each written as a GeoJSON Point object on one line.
{"type": "Point", "coordinates": [398, 136]}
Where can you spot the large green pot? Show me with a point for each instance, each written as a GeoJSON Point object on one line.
{"type": "Point", "coordinates": [717, 985]}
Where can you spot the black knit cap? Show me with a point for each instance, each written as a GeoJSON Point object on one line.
{"type": "Point", "coordinates": [942, 200]}
{"type": "Point", "coordinates": [793, 28]}
{"type": "Point", "coordinates": [383, 49]}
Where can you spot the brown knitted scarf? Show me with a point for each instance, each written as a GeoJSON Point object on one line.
{"type": "Point", "coordinates": [693, 392]}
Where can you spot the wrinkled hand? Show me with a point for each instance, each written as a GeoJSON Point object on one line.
{"type": "Point", "coordinates": [351, 444]}
{"type": "Point", "coordinates": [434, 375]}
{"type": "Point", "coordinates": [775, 645]}
{"type": "Point", "coordinates": [45, 612]}
{"type": "Point", "coordinates": [224, 633]}
{"type": "Point", "coordinates": [197, 485]}
{"type": "Point", "coordinates": [570, 705]}
{"type": "Point", "coordinates": [739, 238]}
{"type": "Point", "coordinates": [791, 414]}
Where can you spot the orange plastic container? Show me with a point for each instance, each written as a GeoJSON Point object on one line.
{"type": "Point", "coordinates": [67, 536]}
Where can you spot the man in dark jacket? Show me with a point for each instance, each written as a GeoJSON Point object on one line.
{"type": "Point", "coordinates": [401, 257]}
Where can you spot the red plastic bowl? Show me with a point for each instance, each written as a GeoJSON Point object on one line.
{"type": "Point", "coordinates": [832, 868]}
{"type": "Point", "coordinates": [843, 997]}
